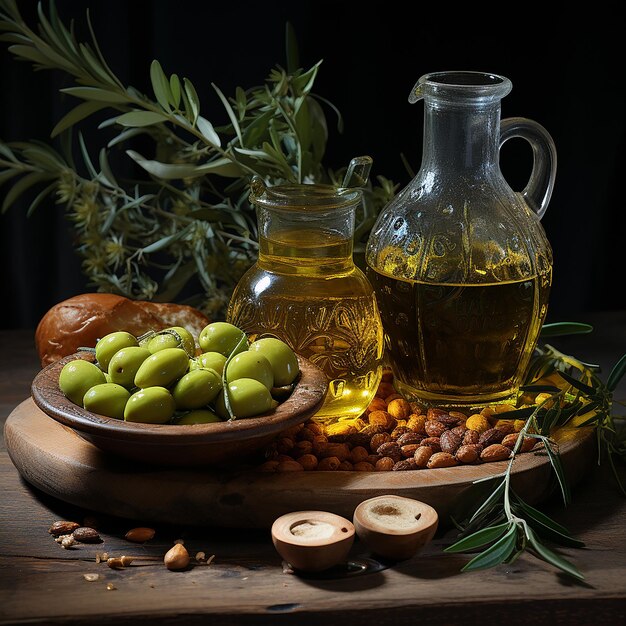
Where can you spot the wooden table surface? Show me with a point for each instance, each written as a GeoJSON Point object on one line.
{"type": "Point", "coordinates": [245, 584]}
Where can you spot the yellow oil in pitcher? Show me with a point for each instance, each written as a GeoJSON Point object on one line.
{"type": "Point", "coordinates": [306, 290]}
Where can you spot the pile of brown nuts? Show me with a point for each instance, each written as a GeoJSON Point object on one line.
{"type": "Point", "coordinates": [396, 435]}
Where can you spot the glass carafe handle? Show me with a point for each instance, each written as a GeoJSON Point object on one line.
{"type": "Point", "coordinates": [538, 191]}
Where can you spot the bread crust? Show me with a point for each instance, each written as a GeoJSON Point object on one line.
{"type": "Point", "coordinates": [82, 320]}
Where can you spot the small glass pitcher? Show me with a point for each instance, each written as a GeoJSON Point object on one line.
{"type": "Point", "coordinates": [459, 261]}
{"type": "Point", "coordinates": [306, 290]}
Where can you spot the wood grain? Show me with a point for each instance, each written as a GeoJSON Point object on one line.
{"type": "Point", "coordinates": [40, 583]}
{"type": "Point", "coordinates": [57, 461]}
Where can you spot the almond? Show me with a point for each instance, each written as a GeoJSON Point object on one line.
{"type": "Point", "coordinates": [403, 466]}
{"type": "Point", "coordinates": [510, 440]}
{"type": "Point", "coordinates": [410, 437]}
{"type": "Point", "coordinates": [495, 452]}
{"type": "Point", "coordinates": [433, 443]}
{"type": "Point", "coordinates": [85, 534]}
{"type": "Point", "coordinates": [433, 413]}
{"type": "Point", "coordinates": [377, 440]}
{"type": "Point", "coordinates": [390, 449]}
{"type": "Point", "coordinates": [441, 459]}
{"type": "Point", "coordinates": [471, 436]}
{"type": "Point", "coordinates": [63, 528]}
{"type": "Point", "coordinates": [449, 442]}
{"type": "Point", "coordinates": [140, 534]}
{"type": "Point", "coordinates": [359, 439]}
{"type": "Point", "coordinates": [176, 558]}
{"type": "Point", "coordinates": [469, 453]}
{"type": "Point", "coordinates": [434, 428]}
{"type": "Point", "coordinates": [421, 456]}
{"type": "Point", "coordinates": [491, 436]}
{"type": "Point", "coordinates": [408, 451]}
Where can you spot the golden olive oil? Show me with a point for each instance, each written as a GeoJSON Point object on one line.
{"type": "Point", "coordinates": [460, 344]}
{"type": "Point", "coordinates": [306, 291]}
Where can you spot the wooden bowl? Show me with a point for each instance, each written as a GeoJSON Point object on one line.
{"type": "Point", "coordinates": [180, 445]}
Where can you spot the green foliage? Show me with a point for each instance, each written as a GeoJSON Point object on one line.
{"type": "Point", "coordinates": [502, 521]}
{"type": "Point", "coordinates": [187, 218]}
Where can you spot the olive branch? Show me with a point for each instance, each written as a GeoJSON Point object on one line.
{"type": "Point", "coordinates": [502, 524]}
{"type": "Point", "coordinates": [186, 224]}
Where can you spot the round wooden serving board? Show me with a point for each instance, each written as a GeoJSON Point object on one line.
{"type": "Point", "coordinates": [53, 458]}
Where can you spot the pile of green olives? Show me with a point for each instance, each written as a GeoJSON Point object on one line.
{"type": "Point", "coordinates": [159, 378]}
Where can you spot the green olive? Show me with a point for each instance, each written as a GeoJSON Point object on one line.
{"type": "Point", "coordinates": [209, 360]}
{"type": "Point", "coordinates": [125, 364]}
{"type": "Point", "coordinates": [107, 399]}
{"type": "Point", "coordinates": [110, 344]}
{"type": "Point", "coordinates": [77, 377]}
{"type": "Point", "coordinates": [250, 365]}
{"type": "Point", "coordinates": [197, 388]}
{"type": "Point", "coordinates": [199, 417]}
{"type": "Point", "coordinates": [154, 405]}
{"type": "Point", "coordinates": [173, 337]}
{"type": "Point", "coordinates": [162, 369]}
{"type": "Point", "coordinates": [220, 337]}
{"type": "Point", "coordinates": [248, 397]}
{"type": "Point", "coordinates": [282, 358]}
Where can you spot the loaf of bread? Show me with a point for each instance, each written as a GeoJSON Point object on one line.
{"type": "Point", "coordinates": [82, 320]}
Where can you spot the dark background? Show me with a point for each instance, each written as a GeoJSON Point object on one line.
{"type": "Point", "coordinates": [566, 69]}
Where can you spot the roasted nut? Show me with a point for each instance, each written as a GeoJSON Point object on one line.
{"type": "Point", "coordinates": [372, 430]}
{"type": "Point", "coordinates": [416, 423]}
{"type": "Point", "coordinates": [421, 456]}
{"type": "Point", "coordinates": [459, 430]}
{"type": "Point", "coordinates": [381, 418]}
{"type": "Point", "coordinates": [434, 413]}
{"type": "Point", "coordinates": [372, 459]}
{"type": "Point", "coordinates": [363, 466]}
{"type": "Point", "coordinates": [120, 562]}
{"type": "Point", "coordinates": [377, 440]}
{"type": "Point", "coordinates": [359, 440]}
{"type": "Point", "coordinates": [176, 558]}
{"type": "Point", "coordinates": [308, 462]}
{"type": "Point", "coordinates": [140, 534]}
{"type": "Point", "coordinates": [471, 436]}
{"type": "Point", "coordinates": [268, 466]}
{"type": "Point", "coordinates": [461, 417]}
{"type": "Point", "coordinates": [63, 528]}
{"type": "Point", "coordinates": [377, 404]}
{"type": "Point", "coordinates": [284, 446]}
{"type": "Point", "coordinates": [315, 428]}
{"type": "Point", "coordinates": [86, 535]}
{"type": "Point", "coordinates": [339, 450]}
{"type": "Point", "coordinates": [449, 442]}
{"type": "Point", "coordinates": [447, 420]}
{"type": "Point", "coordinates": [417, 408]}
{"type": "Point", "coordinates": [306, 434]}
{"type": "Point", "coordinates": [329, 464]}
{"type": "Point", "coordinates": [358, 454]}
{"type": "Point", "coordinates": [432, 442]}
{"type": "Point", "coordinates": [478, 422]}
{"type": "Point", "coordinates": [488, 411]}
{"type": "Point", "coordinates": [385, 464]}
{"type": "Point", "coordinates": [398, 431]}
{"type": "Point", "coordinates": [528, 444]}
{"type": "Point", "coordinates": [434, 428]}
{"type": "Point", "coordinates": [510, 440]}
{"type": "Point", "coordinates": [506, 426]}
{"type": "Point", "coordinates": [399, 408]}
{"type": "Point", "coordinates": [345, 466]}
{"type": "Point", "coordinates": [468, 453]}
{"type": "Point", "coordinates": [403, 466]}
{"type": "Point", "coordinates": [319, 444]}
{"type": "Point", "coordinates": [392, 397]}
{"type": "Point", "coordinates": [409, 437]}
{"type": "Point", "coordinates": [302, 447]}
{"type": "Point", "coordinates": [493, 435]}
{"type": "Point", "coordinates": [441, 459]}
{"type": "Point", "coordinates": [409, 449]}
{"type": "Point", "coordinates": [338, 432]}
{"type": "Point", "coordinates": [289, 466]}
{"type": "Point", "coordinates": [390, 449]}
{"type": "Point", "coordinates": [495, 452]}
{"type": "Point", "coordinates": [518, 425]}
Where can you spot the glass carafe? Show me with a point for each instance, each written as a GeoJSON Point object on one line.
{"type": "Point", "coordinates": [306, 290]}
{"type": "Point", "coordinates": [459, 261]}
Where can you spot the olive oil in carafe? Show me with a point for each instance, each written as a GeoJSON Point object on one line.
{"type": "Point", "coordinates": [307, 292]}
{"type": "Point", "coordinates": [460, 344]}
